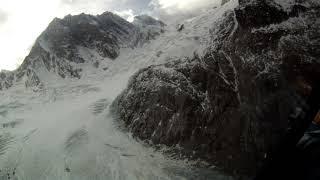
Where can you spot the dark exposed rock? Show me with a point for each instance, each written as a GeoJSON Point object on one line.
{"type": "Point", "coordinates": [180, 27]}
{"type": "Point", "coordinates": [259, 13]}
{"type": "Point", "coordinates": [224, 2]}
{"type": "Point", "coordinates": [231, 105]}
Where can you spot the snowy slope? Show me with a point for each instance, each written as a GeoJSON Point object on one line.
{"type": "Point", "coordinates": [60, 127]}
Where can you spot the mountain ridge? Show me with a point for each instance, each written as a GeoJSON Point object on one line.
{"type": "Point", "coordinates": [60, 47]}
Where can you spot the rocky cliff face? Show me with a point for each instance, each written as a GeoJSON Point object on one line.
{"type": "Point", "coordinates": [230, 105]}
{"type": "Point", "coordinates": [80, 39]}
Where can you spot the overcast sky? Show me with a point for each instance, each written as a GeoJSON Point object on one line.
{"type": "Point", "coordinates": [22, 21]}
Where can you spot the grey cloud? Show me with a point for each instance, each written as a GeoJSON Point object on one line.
{"type": "Point", "coordinates": [174, 15]}
{"type": "Point", "coordinates": [150, 7]}
{"type": "Point", "coordinates": [137, 5]}
{"type": "Point", "coordinates": [70, 2]}
{"type": "Point", "coordinates": [3, 17]}
{"type": "Point", "coordinates": [121, 7]}
{"type": "Point", "coordinates": [111, 5]}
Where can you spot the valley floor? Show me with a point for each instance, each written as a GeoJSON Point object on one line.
{"type": "Point", "coordinates": [66, 132]}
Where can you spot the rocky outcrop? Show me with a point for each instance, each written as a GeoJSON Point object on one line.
{"type": "Point", "coordinates": [230, 105]}
{"type": "Point", "coordinates": [7, 79]}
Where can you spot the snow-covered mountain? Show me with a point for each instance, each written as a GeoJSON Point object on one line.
{"type": "Point", "coordinates": [208, 88]}
{"type": "Point", "coordinates": [54, 118]}
{"type": "Point", "coordinates": [80, 39]}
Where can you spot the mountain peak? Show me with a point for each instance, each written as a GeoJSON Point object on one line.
{"type": "Point", "coordinates": [66, 42]}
